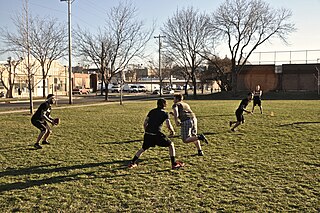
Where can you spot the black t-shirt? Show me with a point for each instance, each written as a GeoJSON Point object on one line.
{"type": "Point", "coordinates": [156, 118]}
{"type": "Point", "coordinates": [244, 103]}
{"type": "Point", "coordinates": [43, 112]}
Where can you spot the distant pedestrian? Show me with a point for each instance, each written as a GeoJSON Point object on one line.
{"type": "Point", "coordinates": [153, 135]}
{"type": "Point", "coordinates": [239, 112]}
{"type": "Point", "coordinates": [257, 98]}
{"type": "Point", "coordinates": [186, 119]}
{"type": "Point", "coordinates": [40, 119]}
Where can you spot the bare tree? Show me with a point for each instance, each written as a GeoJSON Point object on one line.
{"type": "Point", "coordinates": [122, 40]}
{"type": "Point", "coordinates": [245, 25]}
{"type": "Point", "coordinates": [128, 38]}
{"type": "Point", "coordinates": [19, 44]}
{"type": "Point", "coordinates": [187, 33]}
{"type": "Point", "coordinates": [167, 63]}
{"type": "Point", "coordinates": [47, 41]}
{"type": "Point", "coordinates": [95, 49]}
{"type": "Point", "coordinates": [10, 71]}
{"type": "Point", "coordinates": [220, 71]}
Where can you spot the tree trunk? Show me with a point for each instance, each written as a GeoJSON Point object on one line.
{"type": "Point", "coordinates": [30, 96]}
{"type": "Point", "coordinates": [102, 83]}
{"type": "Point", "coordinates": [194, 83]}
{"type": "Point", "coordinates": [186, 89]}
{"type": "Point", "coordinates": [10, 91]}
{"type": "Point", "coordinates": [106, 91]}
{"type": "Point", "coordinates": [44, 87]}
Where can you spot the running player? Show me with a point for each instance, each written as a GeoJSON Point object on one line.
{"type": "Point", "coordinates": [153, 135]}
{"type": "Point", "coordinates": [186, 119]}
{"type": "Point", "coordinates": [40, 119]}
{"type": "Point", "coordinates": [239, 112]}
{"type": "Point", "coordinates": [257, 98]}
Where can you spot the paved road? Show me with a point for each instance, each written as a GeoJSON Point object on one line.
{"type": "Point", "coordinates": [78, 100]}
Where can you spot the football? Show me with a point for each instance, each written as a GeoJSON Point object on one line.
{"type": "Point", "coordinates": [56, 121]}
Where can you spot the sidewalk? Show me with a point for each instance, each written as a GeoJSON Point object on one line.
{"type": "Point", "coordinates": [82, 102]}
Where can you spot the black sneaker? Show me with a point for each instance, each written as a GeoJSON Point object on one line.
{"type": "Point", "coordinates": [200, 153]}
{"type": "Point", "coordinates": [37, 146]}
{"type": "Point", "coordinates": [203, 138]}
{"type": "Point", "coordinates": [45, 142]}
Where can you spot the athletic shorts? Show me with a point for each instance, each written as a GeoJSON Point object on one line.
{"type": "Point", "coordinates": [256, 101]}
{"type": "Point", "coordinates": [239, 116]}
{"type": "Point", "coordinates": [157, 139]}
{"type": "Point", "coordinates": [42, 125]}
{"type": "Point", "coordinates": [188, 128]}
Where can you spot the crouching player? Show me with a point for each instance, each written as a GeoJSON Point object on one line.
{"type": "Point", "coordinates": [40, 119]}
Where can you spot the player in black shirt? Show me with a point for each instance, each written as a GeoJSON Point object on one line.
{"type": "Point", "coordinates": [153, 135]}
{"type": "Point", "coordinates": [40, 119]}
{"type": "Point", "coordinates": [239, 112]}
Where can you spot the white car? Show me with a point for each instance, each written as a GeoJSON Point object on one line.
{"type": "Point", "coordinates": [115, 88]}
{"type": "Point", "coordinates": [171, 91]}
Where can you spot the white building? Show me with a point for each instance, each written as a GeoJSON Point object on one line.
{"type": "Point", "coordinates": [56, 80]}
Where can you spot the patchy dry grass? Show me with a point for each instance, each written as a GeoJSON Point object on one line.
{"type": "Point", "coordinates": [271, 164]}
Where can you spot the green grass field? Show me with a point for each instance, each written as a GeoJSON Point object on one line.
{"type": "Point", "coordinates": [271, 164]}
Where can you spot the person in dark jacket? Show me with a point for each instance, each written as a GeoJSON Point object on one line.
{"type": "Point", "coordinates": [239, 112]}
{"type": "Point", "coordinates": [41, 118]}
{"type": "Point", "coordinates": [153, 135]}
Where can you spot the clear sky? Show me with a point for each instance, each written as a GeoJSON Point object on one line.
{"type": "Point", "coordinates": [91, 14]}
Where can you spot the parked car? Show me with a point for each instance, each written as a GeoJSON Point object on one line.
{"type": "Point", "coordinates": [157, 92]}
{"type": "Point", "coordinates": [142, 88]}
{"type": "Point", "coordinates": [133, 88]}
{"type": "Point", "coordinates": [80, 90]}
{"type": "Point", "coordinates": [170, 91]}
{"type": "Point", "coordinates": [115, 88]}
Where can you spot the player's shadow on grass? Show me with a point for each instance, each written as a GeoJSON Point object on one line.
{"type": "Point", "coordinates": [47, 181]}
{"type": "Point", "coordinates": [302, 122]}
{"type": "Point", "coordinates": [65, 178]}
{"type": "Point", "coordinates": [45, 170]}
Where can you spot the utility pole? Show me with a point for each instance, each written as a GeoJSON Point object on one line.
{"type": "Point", "coordinates": [70, 50]}
{"type": "Point", "coordinates": [160, 72]}
{"type": "Point", "coordinates": [30, 74]}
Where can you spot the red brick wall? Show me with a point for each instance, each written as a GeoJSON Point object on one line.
{"type": "Point", "coordinates": [252, 75]}
{"type": "Point", "coordinates": [294, 77]}
{"type": "Point", "coordinates": [299, 77]}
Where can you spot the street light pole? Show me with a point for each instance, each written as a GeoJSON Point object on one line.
{"type": "Point", "coordinates": [70, 50]}
{"type": "Point", "coordinates": [160, 72]}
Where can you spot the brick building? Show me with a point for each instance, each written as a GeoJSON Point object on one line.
{"type": "Point", "coordinates": [286, 77]}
